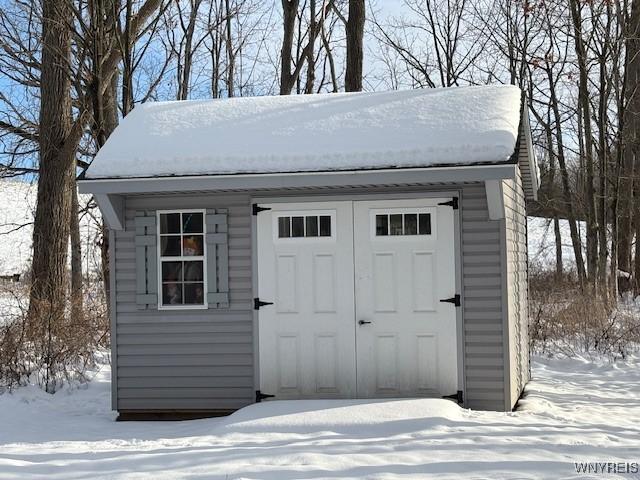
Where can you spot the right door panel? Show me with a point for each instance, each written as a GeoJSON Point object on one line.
{"type": "Point", "coordinates": [404, 265]}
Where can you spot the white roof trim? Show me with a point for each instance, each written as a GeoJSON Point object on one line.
{"type": "Point", "coordinates": [244, 182]}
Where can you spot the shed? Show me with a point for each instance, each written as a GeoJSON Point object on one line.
{"type": "Point", "coordinates": [357, 245]}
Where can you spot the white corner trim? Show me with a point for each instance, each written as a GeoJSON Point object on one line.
{"type": "Point", "coordinates": [112, 208]}
{"type": "Point", "coordinates": [495, 199]}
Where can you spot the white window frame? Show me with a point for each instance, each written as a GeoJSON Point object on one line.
{"type": "Point", "coordinates": [182, 258]}
{"type": "Point", "coordinates": [304, 213]}
{"type": "Point", "coordinates": [433, 211]}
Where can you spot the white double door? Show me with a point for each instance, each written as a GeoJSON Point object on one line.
{"type": "Point", "coordinates": [356, 290]}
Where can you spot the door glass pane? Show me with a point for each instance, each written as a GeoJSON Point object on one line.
{"type": "Point", "coordinates": [382, 225]}
{"type": "Point", "coordinates": [193, 245]}
{"type": "Point", "coordinates": [171, 272]}
{"type": "Point", "coordinates": [192, 223]}
{"type": "Point", "coordinates": [411, 224]}
{"type": "Point", "coordinates": [424, 220]}
{"type": "Point", "coordinates": [312, 226]}
{"type": "Point", "coordinates": [284, 227]}
{"type": "Point", "coordinates": [172, 294]}
{"type": "Point", "coordinates": [325, 225]}
{"type": "Point", "coordinates": [193, 272]}
{"type": "Point", "coordinates": [395, 224]}
{"type": "Point", "coordinates": [170, 246]}
{"type": "Point", "coordinates": [297, 226]}
{"type": "Point", "coordinates": [169, 223]}
{"type": "Point", "coordinates": [193, 293]}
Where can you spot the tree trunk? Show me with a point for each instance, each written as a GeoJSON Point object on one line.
{"type": "Point", "coordinates": [355, 34]}
{"type": "Point", "coordinates": [56, 174]}
{"type": "Point", "coordinates": [127, 61]}
{"type": "Point", "coordinates": [184, 80]}
{"type": "Point", "coordinates": [230, 55]}
{"type": "Point", "coordinates": [289, 10]}
{"type": "Point", "coordinates": [551, 196]}
{"type": "Point", "coordinates": [557, 234]}
{"type": "Point", "coordinates": [332, 66]}
{"type": "Point", "coordinates": [311, 60]}
{"type": "Point", "coordinates": [630, 138]}
{"type": "Point", "coordinates": [585, 108]}
{"type": "Point", "coordinates": [603, 163]}
{"type": "Point", "coordinates": [566, 186]}
{"type": "Point", "coordinates": [76, 259]}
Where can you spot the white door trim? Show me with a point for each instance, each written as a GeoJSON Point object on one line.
{"type": "Point", "coordinates": [409, 192]}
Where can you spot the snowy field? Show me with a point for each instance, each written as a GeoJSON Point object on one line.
{"type": "Point", "coordinates": [17, 210]}
{"type": "Point", "coordinates": [575, 410]}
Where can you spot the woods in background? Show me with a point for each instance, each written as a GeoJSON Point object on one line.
{"type": "Point", "coordinates": [71, 69]}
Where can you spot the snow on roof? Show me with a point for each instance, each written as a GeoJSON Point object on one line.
{"type": "Point", "coordinates": [323, 132]}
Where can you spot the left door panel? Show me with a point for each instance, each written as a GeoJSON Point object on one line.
{"type": "Point", "coordinates": [305, 267]}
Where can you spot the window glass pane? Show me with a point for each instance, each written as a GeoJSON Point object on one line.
{"type": "Point", "coordinates": [169, 223]}
{"type": "Point", "coordinates": [410, 224]}
{"type": "Point", "coordinates": [192, 245]}
{"type": "Point", "coordinates": [192, 222]}
{"type": "Point", "coordinates": [297, 226]}
{"type": "Point", "coordinates": [193, 293]}
{"type": "Point", "coordinates": [312, 226]}
{"type": "Point", "coordinates": [170, 246]}
{"type": "Point", "coordinates": [171, 272]}
{"type": "Point", "coordinates": [325, 225]}
{"type": "Point", "coordinates": [424, 220]}
{"type": "Point", "coordinates": [395, 224]}
{"type": "Point", "coordinates": [193, 272]}
{"type": "Point", "coordinates": [382, 225]}
{"type": "Point", "coordinates": [284, 227]}
{"type": "Point", "coordinates": [172, 294]}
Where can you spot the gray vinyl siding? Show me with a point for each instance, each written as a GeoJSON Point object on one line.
{"type": "Point", "coordinates": [204, 360]}
{"type": "Point", "coordinates": [517, 287]}
{"type": "Point", "coordinates": [188, 359]}
{"type": "Point", "coordinates": [482, 275]}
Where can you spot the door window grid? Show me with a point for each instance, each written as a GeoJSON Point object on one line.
{"type": "Point", "coordinates": [403, 224]}
{"type": "Point", "coordinates": [182, 259]}
{"type": "Point", "coordinates": [300, 226]}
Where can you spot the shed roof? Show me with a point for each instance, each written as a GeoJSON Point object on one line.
{"type": "Point", "coordinates": [315, 133]}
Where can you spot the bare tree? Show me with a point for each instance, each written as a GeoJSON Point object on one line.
{"type": "Point", "coordinates": [355, 33]}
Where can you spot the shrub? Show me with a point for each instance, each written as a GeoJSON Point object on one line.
{"type": "Point", "coordinates": [48, 347]}
{"type": "Point", "coordinates": [566, 320]}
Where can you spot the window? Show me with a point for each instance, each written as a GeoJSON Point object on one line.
{"type": "Point", "coordinates": [298, 226]}
{"type": "Point", "coordinates": [182, 266]}
{"type": "Point", "coordinates": [395, 224]}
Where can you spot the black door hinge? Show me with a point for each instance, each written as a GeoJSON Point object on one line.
{"type": "Point", "coordinates": [256, 209]}
{"type": "Point", "coordinates": [455, 300]}
{"type": "Point", "coordinates": [451, 203]}
{"type": "Point", "coordinates": [458, 397]}
{"type": "Point", "coordinates": [262, 396]}
{"type": "Point", "coordinates": [257, 303]}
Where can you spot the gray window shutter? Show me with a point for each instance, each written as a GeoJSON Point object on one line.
{"type": "Point", "coordinates": [146, 260]}
{"type": "Point", "coordinates": [217, 258]}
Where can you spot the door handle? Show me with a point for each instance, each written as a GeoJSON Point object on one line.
{"type": "Point", "coordinates": [363, 322]}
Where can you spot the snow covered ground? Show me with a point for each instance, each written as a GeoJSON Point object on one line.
{"type": "Point", "coordinates": [576, 410]}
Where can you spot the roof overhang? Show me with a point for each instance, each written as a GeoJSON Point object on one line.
{"type": "Point", "coordinates": [110, 192]}
{"type": "Point", "coordinates": [527, 158]}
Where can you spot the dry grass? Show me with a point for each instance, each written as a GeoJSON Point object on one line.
{"type": "Point", "coordinates": [48, 348]}
{"type": "Point", "coordinates": [567, 321]}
